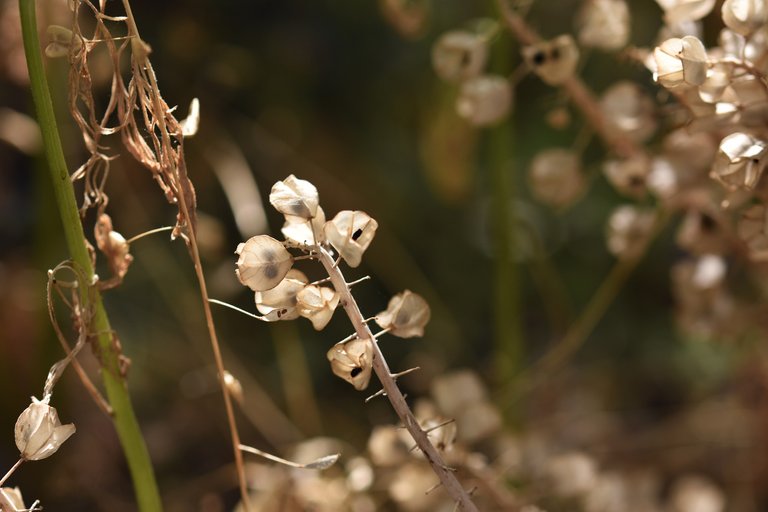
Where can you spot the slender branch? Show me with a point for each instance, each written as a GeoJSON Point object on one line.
{"type": "Point", "coordinates": [574, 87]}
{"type": "Point", "coordinates": [125, 421]}
{"type": "Point", "coordinates": [395, 397]}
{"type": "Point", "coordinates": [11, 471]}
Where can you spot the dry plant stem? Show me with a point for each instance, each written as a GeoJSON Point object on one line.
{"type": "Point", "coordinates": [395, 397]}
{"type": "Point", "coordinates": [574, 87]}
{"type": "Point", "coordinates": [127, 426]}
{"type": "Point", "coordinates": [11, 471]}
{"type": "Point", "coordinates": [194, 252]}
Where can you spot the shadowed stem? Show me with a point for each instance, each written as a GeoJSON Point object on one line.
{"type": "Point", "coordinates": [395, 397]}
{"type": "Point", "coordinates": [134, 448]}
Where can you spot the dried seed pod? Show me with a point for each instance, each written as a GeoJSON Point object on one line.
{"type": "Point", "coordinates": [753, 229]}
{"type": "Point", "coordinates": [699, 233]}
{"type": "Point", "coordinates": [572, 474]}
{"type": "Point", "coordinates": [745, 16]}
{"type": "Point", "coordinates": [553, 61]}
{"type": "Point", "coordinates": [406, 315]}
{"type": "Point", "coordinates": [629, 176]}
{"type": "Point", "coordinates": [11, 500]}
{"type": "Point", "coordinates": [740, 161]}
{"type": "Point", "coordinates": [191, 123]}
{"type": "Point", "coordinates": [350, 233]}
{"type": "Point", "coordinates": [604, 24]}
{"type": "Point", "coordinates": [555, 177]}
{"type": "Point", "coordinates": [113, 245]}
{"type": "Point", "coordinates": [280, 302]}
{"type": "Point", "coordinates": [263, 263]}
{"type": "Point", "coordinates": [628, 230]}
{"type": "Point", "coordinates": [352, 361]}
{"type": "Point", "coordinates": [296, 197]}
{"type": "Point", "coordinates": [61, 40]}
{"type": "Point", "coordinates": [317, 303]}
{"type": "Point", "coordinates": [677, 11]}
{"type": "Point", "coordinates": [305, 232]}
{"type": "Point", "coordinates": [39, 433]}
{"type": "Point", "coordinates": [389, 446]}
{"type": "Point", "coordinates": [459, 55]}
{"type": "Point", "coordinates": [484, 100]}
{"type": "Point", "coordinates": [680, 61]}
{"type": "Point", "coordinates": [629, 110]}
{"type": "Point", "coordinates": [693, 492]}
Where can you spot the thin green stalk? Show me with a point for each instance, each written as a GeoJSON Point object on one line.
{"type": "Point", "coordinates": [127, 426]}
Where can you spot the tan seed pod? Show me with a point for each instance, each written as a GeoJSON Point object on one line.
{"type": "Point", "coordinates": [352, 361]}
{"type": "Point", "coordinates": [39, 433]}
{"type": "Point", "coordinates": [745, 16]}
{"type": "Point", "coordinates": [305, 232]}
{"type": "Point", "coordinates": [350, 233]}
{"type": "Point", "coordinates": [263, 263]}
{"type": "Point", "coordinates": [630, 110]}
{"type": "Point", "coordinates": [406, 315]}
{"type": "Point", "coordinates": [680, 62]}
{"type": "Point", "coordinates": [317, 303]}
{"type": "Point", "coordinates": [554, 61]}
{"type": "Point", "coordinates": [296, 197]}
{"type": "Point", "coordinates": [628, 230]}
{"type": "Point", "coordinates": [61, 39]}
{"type": "Point", "coordinates": [630, 175]}
{"type": "Point", "coordinates": [678, 11]}
{"type": "Point", "coordinates": [555, 177]}
{"type": "Point", "coordinates": [280, 302]}
{"type": "Point", "coordinates": [740, 161]}
{"type": "Point", "coordinates": [459, 55]}
{"type": "Point", "coordinates": [11, 500]}
{"type": "Point", "coordinates": [604, 24]}
{"type": "Point", "coordinates": [113, 245]}
{"type": "Point", "coordinates": [484, 100]}
{"type": "Point", "coordinates": [753, 229]}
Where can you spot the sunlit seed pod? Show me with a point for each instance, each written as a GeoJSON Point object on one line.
{"type": "Point", "coordinates": [389, 446]}
{"type": "Point", "coordinates": [693, 492]}
{"type": "Point", "coordinates": [11, 500]}
{"type": "Point", "coordinates": [305, 232]}
{"type": "Point", "coordinates": [571, 474]}
{"type": "Point", "coordinates": [718, 80]}
{"type": "Point", "coordinates": [406, 315]}
{"type": "Point", "coordinates": [263, 262]}
{"type": "Point", "coordinates": [352, 361]}
{"type": "Point", "coordinates": [630, 110]}
{"type": "Point", "coordinates": [293, 196]}
{"type": "Point", "coordinates": [113, 245]}
{"type": "Point", "coordinates": [692, 150]}
{"type": "Point", "coordinates": [604, 24]}
{"type": "Point", "coordinates": [317, 304]}
{"type": "Point", "coordinates": [459, 55]}
{"type": "Point", "coordinates": [350, 233]}
{"type": "Point", "coordinates": [453, 392]}
{"type": "Point", "coordinates": [191, 123]}
{"type": "Point", "coordinates": [681, 61]}
{"type": "Point", "coordinates": [745, 16]}
{"type": "Point", "coordinates": [280, 301]}
{"type": "Point", "coordinates": [629, 176]}
{"type": "Point", "coordinates": [753, 229]}
{"type": "Point", "coordinates": [554, 61]}
{"type": "Point", "coordinates": [360, 475]}
{"type": "Point", "coordinates": [555, 177]}
{"type": "Point", "coordinates": [406, 488]}
{"type": "Point", "coordinates": [61, 39]}
{"type": "Point", "coordinates": [700, 233]}
{"type": "Point", "coordinates": [484, 100]}
{"type": "Point", "coordinates": [740, 161]}
{"type": "Point", "coordinates": [629, 228]}
{"type": "Point", "coordinates": [663, 180]}
{"type": "Point", "coordinates": [38, 431]}
{"type": "Point", "coordinates": [676, 11]}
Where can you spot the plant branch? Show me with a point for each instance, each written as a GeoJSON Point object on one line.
{"type": "Point", "coordinates": [124, 419]}
{"type": "Point", "coordinates": [395, 397]}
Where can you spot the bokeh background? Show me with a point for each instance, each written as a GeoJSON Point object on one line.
{"type": "Point", "coordinates": [343, 94]}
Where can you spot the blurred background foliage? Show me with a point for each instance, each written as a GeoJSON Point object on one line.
{"type": "Point", "coordinates": [333, 92]}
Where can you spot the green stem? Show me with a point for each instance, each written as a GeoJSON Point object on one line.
{"type": "Point", "coordinates": [127, 426]}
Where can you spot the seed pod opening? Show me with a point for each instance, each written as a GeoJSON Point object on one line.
{"type": "Point", "coordinates": [350, 233]}
{"type": "Point", "coordinates": [352, 361]}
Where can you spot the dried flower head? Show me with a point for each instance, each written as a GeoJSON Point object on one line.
{"type": "Point", "coordinates": [305, 232]}
{"type": "Point", "coordinates": [553, 61]}
{"type": "Point", "coordinates": [263, 263]}
{"type": "Point", "coordinates": [677, 11]}
{"type": "Point", "coordinates": [406, 315]}
{"type": "Point", "coordinates": [459, 55]}
{"type": "Point", "coordinates": [604, 24]}
{"type": "Point", "coordinates": [295, 197]}
{"type": "Point", "coordinates": [352, 361]}
{"type": "Point", "coordinates": [39, 433]}
{"type": "Point", "coordinates": [740, 161]}
{"type": "Point", "coordinates": [680, 62]}
{"type": "Point", "coordinates": [745, 16]}
{"type": "Point", "coordinates": [555, 177]}
{"type": "Point", "coordinates": [484, 100]}
{"type": "Point", "coordinates": [628, 230]}
{"type": "Point", "coordinates": [317, 303]}
{"type": "Point", "coordinates": [279, 303]}
{"type": "Point", "coordinates": [113, 245]}
{"type": "Point", "coordinates": [12, 501]}
{"type": "Point", "coordinates": [350, 233]}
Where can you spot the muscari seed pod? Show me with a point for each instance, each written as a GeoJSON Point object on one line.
{"type": "Point", "coordinates": [553, 61]}
{"type": "Point", "coordinates": [305, 232]}
{"type": "Point", "coordinates": [628, 230]}
{"type": "Point", "coordinates": [555, 177]}
{"type": "Point", "coordinates": [745, 16]}
{"type": "Point", "coordinates": [740, 161]}
{"type": "Point", "coordinates": [677, 11]}
{"type": "Point", "coordinates": [296, 197]}
{"type": "Point", "coordinates": [350, 233]}
{"type": "Point", "coordinates": [39, 433]}
{"type": "Point", "coordinates": [680, 62]}
{"type": "Point", "coordinates": [484, 100]}
{"type": "Point", "coordinates": [352, 361]}
{"type": "Point", "coordinates": [459, 55]}
{"type": "Point", "coordinates": [280, 301]}
{"type": "Point", "coordinates": [317, 303]}
{"type": "Point", "coordinates": [604, 24]}
{"type": "Point", "coordinates": [263, 263]}
{"type": "Point", "coordinates": [406, 315]}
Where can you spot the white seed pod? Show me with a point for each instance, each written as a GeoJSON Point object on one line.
{"type": "Point", "coordinates": [406, 315]}
{"type": "Point", "coordinates": [753, 229]}
{"type": "Point", "coordinates": [630, 110]}
{"type": "Point", "coordinates": [389, 446]}
{"type": "Point", "coordinates": [553, 61]}
{"type": "Point", "coordinates": [11, 500]}
{"type": "Point", "coordinates": [350, 233]}
{"type": "Point", "coordinates": [296, 197]}
{"type": "Point", "coordinates": [61, 40]}
{"type": "Point", "coordinates": [352, 361]}
{"type": "Point", "coordinates": [263, 263]}
{"type": "Point", "coordinates": [555, 177]}
{"type": "Point", "coordinates": [604, 24]}
{"type": "Point", "coordinates": [700, 233]}
{"type": "Point", "coordinates": [745, 16]}
{"type": "Point", "coordinates": [693, 492]}
{"type": "Point", "coordinates": [629, 176]}
{"type": "Point", "coordinates": [484, 100]}
{"type": "Point", "coordinates": [680, 61]}
{"type": "Point", "coordinates": [317, 303]}
{"type": "Point", "coordinates": [305, 232]}
{"type": "Point", "coordinates": [740, 161]}
{"type": "Point", "coordinates": [458, 55]}
{"type": "Point", "coordinates": [676, 11]}
{"type": "Point", "coordinates": [39, 433]}
{"type": "Point", "coordinates": [628, 230]}
{"type": "Point", "coordinates": [279, 303]}
{"type": "Point", "coordinates": [113, 245]}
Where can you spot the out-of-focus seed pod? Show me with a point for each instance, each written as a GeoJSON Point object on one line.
{"type": "Point", "coordinates": [61, 40]}
{"type": "Point", "coordinates": [459, 55]}
{"type": "Point", "coordinates": [630, 110]}
{"type": "Point", "coordinates": [753, 229]}
{"type": "Point", "coordinates": [628, 230]}
{"type": "Point", "coordinates": [554, 61]}
{"type": "Point", "coordinates": [630, 175]}
{"type": "Point", "coordinates": [555, 177]}
{"type": "Point", "coordinates": [406, 315]}
{"type": "Point", "coordinates": [676, 11]}
{"type": "Point", "coordinates": [263, 263]}
{"type": "Point", "coordinates": [745, 16]}
{"type": "Point", "coordinates": [604, 24]}
{"type": "Point", "coordinates": [484, 100]}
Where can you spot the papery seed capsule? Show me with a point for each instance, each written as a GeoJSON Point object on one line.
{"type": "Point", "coordinates": [604, 24]}
{"type": "Point", "coordinates": [630, 175]}
{"type": "Point", "coordinates": [39, 433]}
{"type": "Point", "coordinates": [352, 361]}
{"type": "Point", "coordinates": [406, 315]}
{"type": "Point", "coordinates": [745, 16]}
{"type": "Point", "coordinates": [263, 263]}
{"type": "Point", "coordinates": [317, 303]}
{"type": "Point", "coordinates": [555, 177]}
{"type": "Point", "coordinates": [459, 55]}
{"type": "Point", "coordinates": [350, 233]}
{"type": "Point", "coordinates": [740, 161]}
{"type": "Point", "coordinates": [676, 11]}
{"type": "Point", "coordinates": [305, 232]}
{"type": "Point", "coordinates": [553, 61]}
{"type": "Point", "coordinates": [630, 110]}
{"type": "Point", "coordinates": [681, 61]}
{"type": "Point", "coordinates": [484, 100]}
{"type": "Point", "coordinates": [628, 230]}
{"type": "Point", "coordinates": [280, 301]}
{"type": "Point", "coordinates": [296, 197]}
{"type": "Point", "coordinates": [753, 229]}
